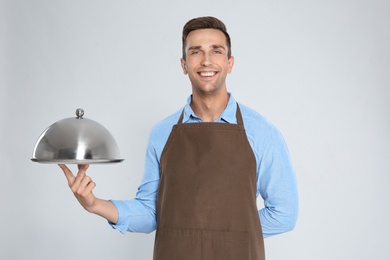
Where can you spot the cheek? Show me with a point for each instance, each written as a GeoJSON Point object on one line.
{"type": "Point", "coordinates": [189, 67]}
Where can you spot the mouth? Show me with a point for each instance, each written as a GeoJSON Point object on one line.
{"type": "Point", "coordinates": [207, 74]}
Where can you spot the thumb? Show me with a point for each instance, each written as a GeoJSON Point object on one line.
{"type": "Point", "coordinates": [68, 173]}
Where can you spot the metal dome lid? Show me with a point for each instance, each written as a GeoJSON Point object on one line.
{"type": "Point", "coordinates": [76, 140]}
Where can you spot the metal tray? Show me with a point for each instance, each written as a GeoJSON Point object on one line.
{"type": "Point", "coordinates": [74, 161]}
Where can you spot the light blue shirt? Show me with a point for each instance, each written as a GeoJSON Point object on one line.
{"type": "Point", "coordinates": [276, 182]}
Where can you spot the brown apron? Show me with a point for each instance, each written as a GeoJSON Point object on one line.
{"type": "Point", "coordinates": [206, 202]}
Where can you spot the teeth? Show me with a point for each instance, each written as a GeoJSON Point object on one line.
{"type": "Point", "coordinates": [207, 74]}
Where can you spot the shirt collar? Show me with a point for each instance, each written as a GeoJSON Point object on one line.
{"type": "Point", "coordinates": [227, 116]}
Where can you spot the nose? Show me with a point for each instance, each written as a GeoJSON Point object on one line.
{"type": "Point", "coordinates": [206, 60]}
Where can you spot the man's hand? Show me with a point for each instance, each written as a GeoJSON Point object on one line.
{"type": "Point", "coordinates": [82, 186]}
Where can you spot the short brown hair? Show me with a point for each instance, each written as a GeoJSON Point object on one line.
{"type": "Point", "coordinates": [207, 22]}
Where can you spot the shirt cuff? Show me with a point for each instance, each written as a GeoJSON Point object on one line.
{"type": "Point", "coordinates": [121, 225]}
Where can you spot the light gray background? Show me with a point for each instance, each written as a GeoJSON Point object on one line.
{"type": "Point", "coordinates": [319, 70]}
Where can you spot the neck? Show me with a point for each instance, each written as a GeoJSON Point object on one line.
{"type": "Point", "coordinates": [209, 107]}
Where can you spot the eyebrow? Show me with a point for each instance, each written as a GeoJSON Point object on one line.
{"type": "Point", "coordinates": [214, 46]}
{"type": "Point", "coordinates": [218, 47]}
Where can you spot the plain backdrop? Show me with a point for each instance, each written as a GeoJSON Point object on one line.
{"type": "Point", "coordinates": [318, 70]}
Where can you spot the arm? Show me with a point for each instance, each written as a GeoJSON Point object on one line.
{"type": "Point", "coordinates": [82, 186]}
{"type": "Point", "coordinates": [139, 214]}
{"type": "Point", "coordinates": [134, 215]}
{"type": "Point", "coordinates": [277, 186]}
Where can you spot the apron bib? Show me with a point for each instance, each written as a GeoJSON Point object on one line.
{"type": "Point", "coordinates": [206, 201]}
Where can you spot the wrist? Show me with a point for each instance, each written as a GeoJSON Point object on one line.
{"type": "Point", "coordinates": [105, 209]}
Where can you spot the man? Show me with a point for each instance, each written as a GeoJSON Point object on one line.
{"type": "Point", "coordinates": [205, 167]}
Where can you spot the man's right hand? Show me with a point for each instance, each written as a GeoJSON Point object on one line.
{"type": "Point", "coordinates": [82, 186]}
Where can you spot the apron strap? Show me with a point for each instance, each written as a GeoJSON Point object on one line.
{"type": "Point", "coordinates": [238, 116]}
{"type": "Point", "coordinates": [181, 118]}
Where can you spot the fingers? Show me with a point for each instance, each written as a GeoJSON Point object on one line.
{"type": "Point", "coordinates": [68, 174]}
{"type": "Point", "coordinates": [81, 179]}
{"type": "Point", "coordinates": [82, 166]}
{"type": "Point", "coordinates": [85, 186]}
{"type": "Point", "coordinates": [82, 172]}
{"type": "Point", "coordinates": [81, 185]}
{"type": "Point", "coordinates": [74, 182]}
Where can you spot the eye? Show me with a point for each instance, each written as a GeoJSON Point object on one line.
{"type": "Point", "coordinates": [217, 52]}
{"type": "Point", "coordinates": [195, 52]}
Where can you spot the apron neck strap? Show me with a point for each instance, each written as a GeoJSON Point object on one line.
{"type": "Point", "coordinates": [239, 116]}
{"type": "Point", "coordinates": [179, 122]}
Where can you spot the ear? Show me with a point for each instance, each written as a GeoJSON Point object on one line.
{"type": "Point", "coordinates": [183, 66]}
{"type": "Point", "coordinates": [230, 64]}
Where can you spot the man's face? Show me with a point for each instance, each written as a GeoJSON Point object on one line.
{"type": "Point", "coordinates": [207, 63]}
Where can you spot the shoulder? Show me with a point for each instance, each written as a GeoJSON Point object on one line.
{"type": "Point", "coordinates": [253, 119]}
{"type": "Point", "coordinates": [161, 131]}
{"type": "Point", "coordinates": [167, 123]}
{"type": "Point", "coordinates": [260, 131]}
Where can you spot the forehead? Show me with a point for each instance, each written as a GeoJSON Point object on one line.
{"type": "Point", "coordinates": [206, 37]}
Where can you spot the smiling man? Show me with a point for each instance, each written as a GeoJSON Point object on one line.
{"type": "Point", "coordinates": [205, 167]}
{"type": "Point", "coordinates": [207, 63]}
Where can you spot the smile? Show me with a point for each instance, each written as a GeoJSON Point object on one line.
{"type": "Point", "coordinates": [207, 73]}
